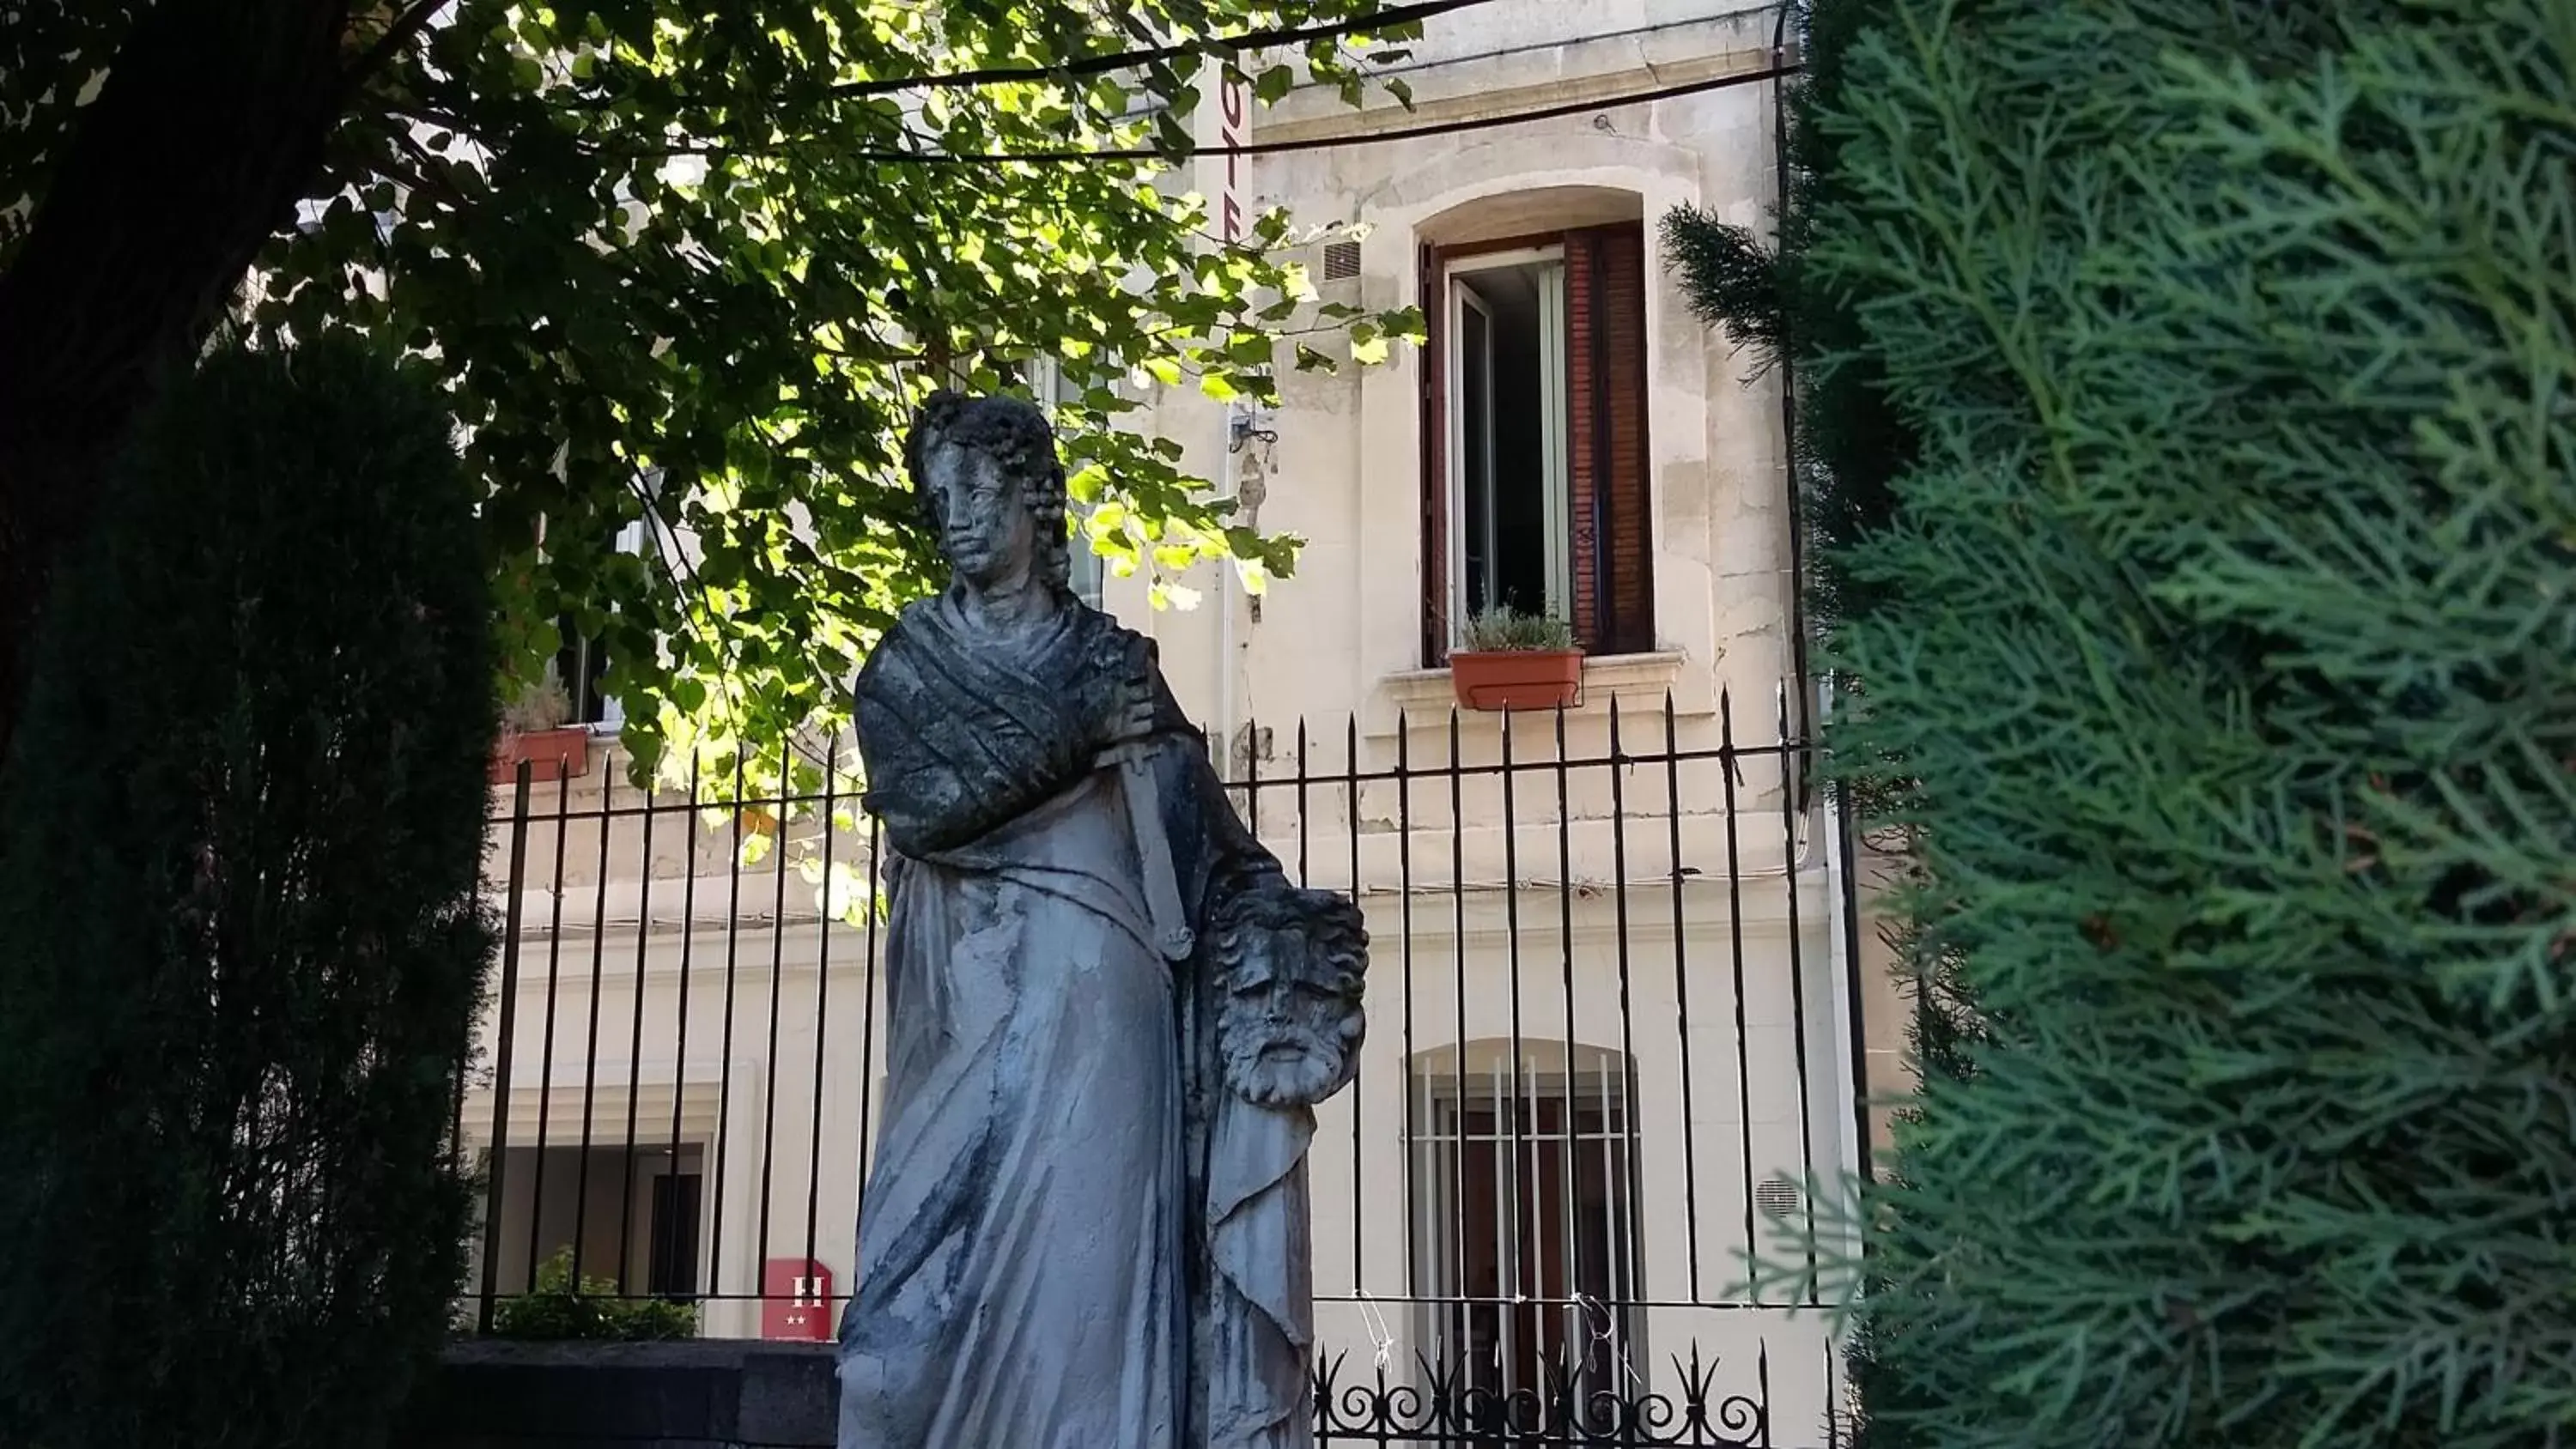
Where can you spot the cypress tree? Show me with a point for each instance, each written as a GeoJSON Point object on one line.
{"type": "Point", "coordinates": [2234, 684]}
{"type": "Point", "coordinates": [239, 857]}
{"type": "Point", "coordinates": [1848, 443]}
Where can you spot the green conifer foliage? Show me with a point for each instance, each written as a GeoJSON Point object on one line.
{"type": "Point", "coordinates": [1849, 443]}
{"type": "Point", "coordinates": [243, 952]}
{"type": "Point", "coordinates": [2234, 682]}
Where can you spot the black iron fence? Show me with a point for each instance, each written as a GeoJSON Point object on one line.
{"type": "Point", "coordinates": [1579, 1193]}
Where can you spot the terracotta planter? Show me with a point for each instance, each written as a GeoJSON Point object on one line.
{"type": "Point", "coordinates": [1517, 679]}
{"type": "Point", "coordinates": [550, 755]}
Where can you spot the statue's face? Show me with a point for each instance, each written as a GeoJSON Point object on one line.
{"type": "Point", "coordinates": [984, 522]}
{"type": "Point", "coordinates": [1290, 1021]}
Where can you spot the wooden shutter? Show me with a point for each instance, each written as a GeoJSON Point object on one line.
{"type": "Point", "coordinates": [1611, 534]}
{"type": "Point", "coordinates": [1435, 462]}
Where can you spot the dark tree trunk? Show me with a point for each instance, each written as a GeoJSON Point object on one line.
{"type": "Point", "coordinates": [210, 126]}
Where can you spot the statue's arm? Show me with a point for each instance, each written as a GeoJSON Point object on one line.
{"type": "Point", "coordinates": [955, 750]}
{"type": "Point", "coordinates": [1195, 804]}
{"type": "Point", "coordinates": [913, 795]}
{"type": "Point", "coordinates": [1236, 858]}
{"type": "Point", "coordinates": [943, 769]}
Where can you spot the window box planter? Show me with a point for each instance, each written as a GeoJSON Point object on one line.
{"type": "Point", "coordinates": [552, 754]}
{"type": "Point", "coordinates": [1517, 679]}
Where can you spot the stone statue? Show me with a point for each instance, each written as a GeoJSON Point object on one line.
{"type": "Point", "coordinates": [1108, 1016]}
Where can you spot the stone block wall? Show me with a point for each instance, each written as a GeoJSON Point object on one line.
{"type": "Point", "coordinates": [702, 1394]}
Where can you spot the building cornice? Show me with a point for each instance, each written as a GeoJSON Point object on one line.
{"type": "Point", "coordinates": [1326, 117]}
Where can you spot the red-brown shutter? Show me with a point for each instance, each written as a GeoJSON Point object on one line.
{"type": "Point", "coordinates": [1435, 463]}
{"type": "Point", "coordinates": [1582, 436]}
{"type": "Point", "coordinates": [1611, 534]}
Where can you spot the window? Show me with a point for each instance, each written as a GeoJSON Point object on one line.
{"type": "Point", "coordinates": [1534, 438]}
{"type": "Point", "coordinates": [1053, 389]}
{"type": "Point", "coordinates": [1508, 542]}
{"type": "Point", "coordinates": [631, 1214]}
{"type": "Point", "coordinates": [1086, 573]}
{"type": "Point", "coordinates": [582, 663]}
{"type": "Point", "coordinates": [1527, 1243]}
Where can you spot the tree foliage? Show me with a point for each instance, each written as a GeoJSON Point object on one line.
{"type": "Point", "coordinates": [692, 266]}
{"type": "Point", "coordinates": [2234, 675]}
{"type": "Point", "coordinates": [238, 872]}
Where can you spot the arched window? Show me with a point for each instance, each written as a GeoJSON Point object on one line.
{"type": "Point", "coordinates": [1535, 490]}
{"type": "Point", "coordinates": [1526, 1243]}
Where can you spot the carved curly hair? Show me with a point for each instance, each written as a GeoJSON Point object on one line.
{"type": "Point", "coordinates": [1336, 932]}
{"type": "Point", "coordinates": [1014, 434]}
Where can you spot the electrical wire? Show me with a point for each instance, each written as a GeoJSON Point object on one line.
{"type": "Point", "coordinates": [1392, 15]}
{"type": "Point", "coordinates": [1277, 148]}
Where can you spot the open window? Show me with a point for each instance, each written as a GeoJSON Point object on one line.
{"type": "Point", "coordinates": [1509, 542]}
{"type": "Point", "coordinates": [633, 1214]}
{"type": "Point", "coordinates": [582, 663]}
{"type": "Point", "coordinates": [1534, 430]}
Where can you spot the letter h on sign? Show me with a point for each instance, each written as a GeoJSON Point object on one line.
{"type": "Point", "coordinates": [795, 1300]}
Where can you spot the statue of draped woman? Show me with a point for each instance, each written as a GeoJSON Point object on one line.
{"type": "Point", "coordinates": [1109, 1017]}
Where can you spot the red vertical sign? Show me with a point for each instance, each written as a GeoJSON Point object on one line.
{"type": "Point", "coordinates": [1234, 108]}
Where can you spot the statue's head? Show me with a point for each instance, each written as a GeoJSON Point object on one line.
{"type": "Point", "coordinates": [990, 488]}
{"type": "Point", "coordinates": [1290, 966]}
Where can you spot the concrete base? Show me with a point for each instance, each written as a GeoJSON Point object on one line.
{"type": "Point", "coordinates": [702, 1394]}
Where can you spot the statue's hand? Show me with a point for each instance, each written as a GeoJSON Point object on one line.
{"type": "Point", "coordinates": [1131, 716]}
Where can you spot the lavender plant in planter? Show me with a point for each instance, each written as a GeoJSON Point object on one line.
{"type": "Point", "coordinates": [1510, 660]}
{"type": "Point", "coordinates": [534, 729]}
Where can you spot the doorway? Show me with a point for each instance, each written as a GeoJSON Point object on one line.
{"type": "Point", "coordinates": [671, 1269]}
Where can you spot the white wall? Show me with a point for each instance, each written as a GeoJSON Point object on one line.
{"type": "Point", "coordinates": [1345, 472]}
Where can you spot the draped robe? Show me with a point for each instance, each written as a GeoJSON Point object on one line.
{"type": "Point", "coordinates": [1259, 1313]}
{"type": "Point", "coordinates": [1033, 1259]}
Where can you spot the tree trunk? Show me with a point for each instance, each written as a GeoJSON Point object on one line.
{"type": "Point", "coordinates": [210, 126]}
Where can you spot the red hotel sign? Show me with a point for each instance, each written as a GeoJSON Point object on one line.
{"type": "Point", "coordinates": [1234, 109]}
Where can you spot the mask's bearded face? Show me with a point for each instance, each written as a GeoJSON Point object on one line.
{"type": "Point", "coordinates": [1290, 1023]}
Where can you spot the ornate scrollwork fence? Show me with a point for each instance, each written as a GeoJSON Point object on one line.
{"type": "Point", "coordinates": [1440, 1404]}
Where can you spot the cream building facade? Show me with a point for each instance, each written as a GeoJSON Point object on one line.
{"type": "Point", "coordinates": [1623, 1001]}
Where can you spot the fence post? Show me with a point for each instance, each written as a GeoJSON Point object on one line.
{"type": "Point", "coordinates": [1846, 837]}
{"type": "Point", "coordinates": [499, 1153]}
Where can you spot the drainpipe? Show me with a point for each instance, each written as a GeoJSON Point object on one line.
{"type": "Point", "coordinates": [1845, 973]}
{"type": "Point", "coordinates": [1798, 664]}
{"type": "Point", "coordinates": [1229, 481]}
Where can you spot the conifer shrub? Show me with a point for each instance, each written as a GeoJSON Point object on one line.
{"type": "Point", "coordinates": [238, 865]}
{"type": "Point", "coordinates": [2231, 666]}
{"type": "Point", "coordinates": [1849, 441]}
